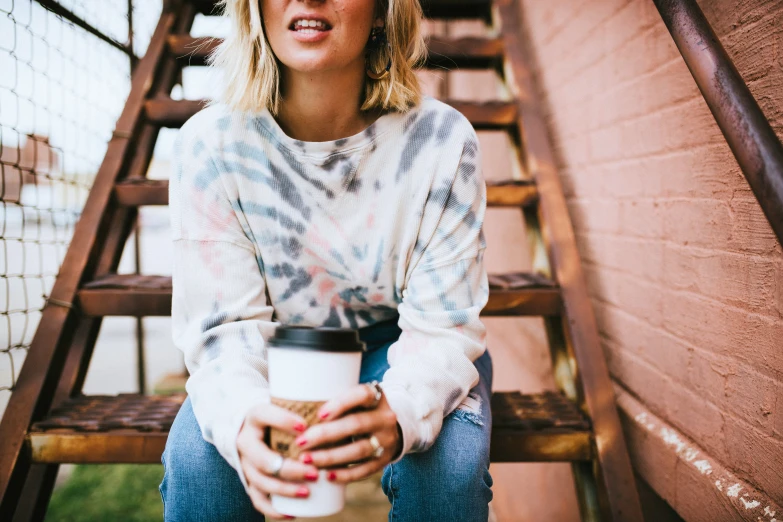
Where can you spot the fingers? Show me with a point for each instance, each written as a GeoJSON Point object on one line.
{"type": "Point", "coordinates": [358, 472]}
{"type": "Point", "coordinates": [357, 396]}
{"type": "Point", "coordinates": [262, 503]}
{"type": "Point", "coordinates": [256, 454]}
{"type": "Point", "coordinates": [274, 486]}
{"type": "Point", "coordinates": [337, 430]}
{"type": "Point", "coordinates": [265, 415]}
{"type": "Point", "coordinates": [349, 453]}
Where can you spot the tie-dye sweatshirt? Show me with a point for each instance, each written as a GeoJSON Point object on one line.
{"type": "Point", "coordinates": [270, 230]}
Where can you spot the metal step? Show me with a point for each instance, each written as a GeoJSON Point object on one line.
{"type": "Point", "coordinates": [513, 294]}
{"type": "Point", "coordinates": [444, 53]}
{"type": "Point", "coordinates": [130, 428]}
{"type": "Point", "coordinates": [489, 115]}
{"type": "Point", "coordinates": [137, 192]}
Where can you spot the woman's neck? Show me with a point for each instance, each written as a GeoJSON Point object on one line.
{"type": "Point", "coordinates": [323, 106]}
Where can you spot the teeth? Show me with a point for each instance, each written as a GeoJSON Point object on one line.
{"type": "Point", "coordinates": [302, 24]}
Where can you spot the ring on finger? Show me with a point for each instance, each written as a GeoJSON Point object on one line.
{"type": "Point", "coordinates": [277, 465]}
{"type": "Point", "coordinates": [376, 390]}
{"type": "Point", "coordinates": [377, 449]}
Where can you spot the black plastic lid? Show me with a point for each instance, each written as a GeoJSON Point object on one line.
{"type": "Point", "coordinates": [324, 338]}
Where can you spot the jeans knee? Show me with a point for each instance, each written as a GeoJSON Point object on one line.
{"type": "Point", "coordinates": [450, 481]}
{"type": "Point", "coordinates": [198, 483]}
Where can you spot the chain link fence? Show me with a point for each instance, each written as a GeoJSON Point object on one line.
{"type": "Point", "coordinates": [64, 78]}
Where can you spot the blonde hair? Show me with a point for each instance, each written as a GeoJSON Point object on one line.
{"type": "Point", "coordinates": [251, 74]}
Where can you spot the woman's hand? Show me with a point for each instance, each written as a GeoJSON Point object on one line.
{"type": "Point", "coordinates": [258, 461]}
{"type": "Point", "coordinates": [343, 423]}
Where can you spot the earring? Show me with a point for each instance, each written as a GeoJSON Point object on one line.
{"type": "Point", "coordinates": [377, 41]}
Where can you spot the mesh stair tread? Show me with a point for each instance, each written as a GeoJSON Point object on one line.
{"type": "Point", "coordinates": [133, 428]}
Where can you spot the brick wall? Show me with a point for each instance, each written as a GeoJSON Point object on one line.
{"type": "Point", "coordinates": [684, 271]}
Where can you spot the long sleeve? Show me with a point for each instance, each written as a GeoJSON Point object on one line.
{"type": "Point", "coordinates": [431, 365]}
{"type": "Point", "coordinates": [220, 312]}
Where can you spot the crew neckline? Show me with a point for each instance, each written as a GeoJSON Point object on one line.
{"type": "Point", "coordinates": [380, 126]}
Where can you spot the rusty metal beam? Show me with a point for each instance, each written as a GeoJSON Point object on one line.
{"type": "Point", "coordinates": [514, 294]}
{"type": "Point", "coordinates": [41, 378]}
{"type": "Point", "coordinates": [610, 487]}
{"type": "Point", "coordinates": [757, 149]}
{"type": "Point", "coordinates": [59, 10]}
{"type": "Point", "coordinates": [138, 192]}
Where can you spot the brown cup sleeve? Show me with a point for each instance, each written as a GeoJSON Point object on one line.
{"type": "Point", "coordinates": [283, 442]}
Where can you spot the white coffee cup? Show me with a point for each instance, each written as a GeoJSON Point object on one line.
{"type": "Point", "coordinates": [313, 364]}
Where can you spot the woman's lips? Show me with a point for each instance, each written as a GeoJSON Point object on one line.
{"type": "Point", "coordinates": [309, 28]}
{"type": "Point", "coordinates": [310, 34]}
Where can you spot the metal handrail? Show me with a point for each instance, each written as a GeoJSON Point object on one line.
{"type": "Point", "coordinates": [56, 8]}
{"type": "Point", "coordinates": [758, 150]}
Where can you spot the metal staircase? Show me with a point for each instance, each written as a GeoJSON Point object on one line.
{"type": "Point", "coordinates": [48, 421]}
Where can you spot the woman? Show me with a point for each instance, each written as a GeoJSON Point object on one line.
{"type": "Point", "coordinates": [323, 189]}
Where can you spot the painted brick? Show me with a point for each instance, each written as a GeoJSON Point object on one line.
{"type": "Point", "coordinates": [756, 457]}
{"type": "Point", "coordinates": [691, 174]}
{"type": "Point", "coordinates": [584, 181]}
{"type": "Point", "coordinates": [655, 45]}
{"type": "Point", "coordinates": [708, 375]}
{"type": "Point", "coordinates": [643, 136]}
{"type": "Point", "coordinates": [650, 457]}
{"type": "Point", "coordinates": [598, 215]}
{"type": "Point", "coordinates": [753, 46]}
{"type": "Point", "coordinates": [685, 273]}
{"type": "Point", "coordinates": [641, 218]}
{"type": "Point", "coordinates": [739, 280]}
{"type": "Point", "coordinates": [698, 504]}
{"type": "Point", "coordinates": [721, 329]}
{"type": "Point", "coordinates": [606, 144]}
{"type": "Point", "coordinates": [751, 232]}
{"type": "Point", "coordinates": [751, 396]}
{"type": "Point", "coordinates": [664, 87]}
{"type": "Point", "coordinates": [653, 387]}
{"type": "Point", "coordinates": [634, 295]}
{"type": "Point", "coordinates": [778, 424]}
{"type": "Point", "coordinates": [704, 223]}
{"type": "Point", "coordinates": [778, 300]}
{"type": "Point", "coordinates": [658, 349]}
{"type": "Point", "coordinates": [632, 179]}
{"type": "Point", "coordinates": [699, 420]}
{"type": "Point", "coordinates": [628, 22]}
{"type": "Point", "coordinates": [636, 256]}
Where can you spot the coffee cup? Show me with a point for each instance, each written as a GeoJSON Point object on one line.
{"type": "Point", "coordinates": [307, 367]}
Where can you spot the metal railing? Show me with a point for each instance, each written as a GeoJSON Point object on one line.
{"type": "Point", "coordinates": [758, 150]}
{"type": "Point", "coordinates": [66, 75]}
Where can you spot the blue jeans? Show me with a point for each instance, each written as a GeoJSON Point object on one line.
{"type": "Point", "coordinates": [448, 482]}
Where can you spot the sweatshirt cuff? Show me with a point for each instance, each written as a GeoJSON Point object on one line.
{"type": "Point", "coordinates": [225, 434]}
{"type": "Point", "coordinates": [404, 407]}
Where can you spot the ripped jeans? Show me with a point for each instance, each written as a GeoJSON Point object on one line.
{"type": "Point", "coordinates": [448, 482]}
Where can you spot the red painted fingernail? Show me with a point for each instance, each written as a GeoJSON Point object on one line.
{"type": "Point", "coordinates": [289, 517]}
{"type": "Point", "coordinates": [302, 492]}
{"type": "Point", "coordinates": [300, 427]}
{"type": "Point", "coordinates": [307, 458]}
{"type": "Point", "coordinates": [323, 415]}
{"type": "Point", "coordinates": [332, 475]}
{"type": "Point", "coordinates": [300, 441]}
{"type": "Point", "coordinates": [311, 475]}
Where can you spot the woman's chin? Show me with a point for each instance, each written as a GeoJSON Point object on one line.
{"type": "Point", "coordinates": [310, 64]}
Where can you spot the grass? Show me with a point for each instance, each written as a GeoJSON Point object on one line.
{"type": "Point", "coordinates": [119, 493]}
